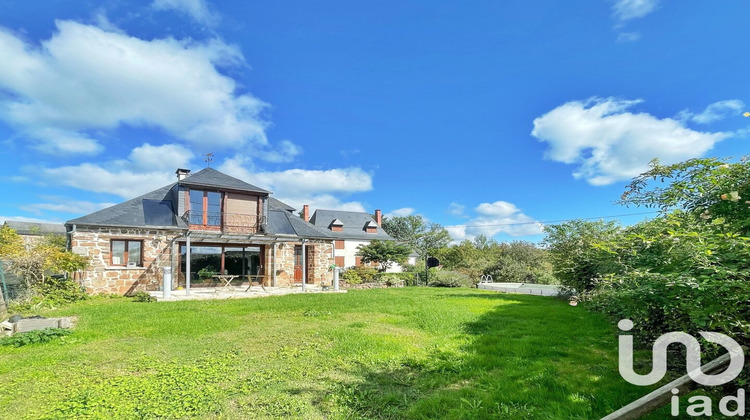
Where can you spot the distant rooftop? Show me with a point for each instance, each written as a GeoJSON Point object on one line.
{"type": "Point", "coordinates": [32, 228]}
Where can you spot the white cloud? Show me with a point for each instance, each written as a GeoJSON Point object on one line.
{"type": "Point", "coordinates": [320, 201]}
{"type": "Point", "coordinates": [321, 189]}
{"type": "Point", "coordinates": [85, 78]}
{"type": "Point", "coordinates": [402, 212]}
{"type": "Point", "coordinates": [285, 152]}
{"type": "Point", "coordinates": [64, 205]}
{"type": "Point", "coordinates": [196, 9]}
{"type": "Point", "coordinates": [610, 143]}
{"type": "Point", "coordinates": [632, 9]}
{"type": "Point", "coordinates": [147, 168]}
{"type": "Point", "coordinates": [165, 157]}
{"type": "Point", "coordinates": [714, 112]}
{"type": "Point", "coordinates": [456, 209]}
{"type": "Point", "coordinates": [26, 219]}
{"type": "Point", "coordinates": [628, 36]}
{"type": "Point", "coordinates": [495, 218]}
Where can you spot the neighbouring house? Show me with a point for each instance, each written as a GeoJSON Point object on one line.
{"type": "Point", "coordinates": [204, 223]}
{"type": "Point", "coordinates": [32, 232]}
{"type": "Point", "coordinates": [350, 229]}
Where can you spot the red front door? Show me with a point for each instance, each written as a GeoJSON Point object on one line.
{"type": "Point", "coordinates": [298, 264]}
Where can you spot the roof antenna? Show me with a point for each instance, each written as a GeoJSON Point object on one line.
{"type": "Point", "coordinates": [209, 157]}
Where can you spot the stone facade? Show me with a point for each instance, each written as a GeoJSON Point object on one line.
{"type": "Point", "coordinates": [318, 264]}
{"type": "Point", "coordinates": [101, 277]}
{"type": "Point", "coordinates": [362, 286]}
{"type": "Point", "coordinates": [158, 249]}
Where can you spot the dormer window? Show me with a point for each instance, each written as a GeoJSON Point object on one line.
{"type": "Point", "coordinates": [371, 227]}
{"type": "Point", "coordinates": [336, 226]}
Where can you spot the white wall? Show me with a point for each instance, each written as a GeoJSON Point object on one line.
{"type": "Point", "coordinates": [350, 252]}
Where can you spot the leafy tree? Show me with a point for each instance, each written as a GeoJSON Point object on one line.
{"type": "Point", "coordinates": [384, 253]}
{"type": "Point", "coordinates": [11, 243]}
{"type": "Point", "coordinates": [576, 254]}
{"type": "Point", "coordinates": [36, 263]}
{"type": "Point", "coordinates": [710, 188]}
{"type": "Point", "coordinates": [686, 270]}
{"type": "Point", "coordinates": [413, 231]}
{"type": "Point", "coordinates": [522, 262]}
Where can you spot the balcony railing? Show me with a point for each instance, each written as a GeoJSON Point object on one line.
{"type": "Point", "coordinates": [225, 222]}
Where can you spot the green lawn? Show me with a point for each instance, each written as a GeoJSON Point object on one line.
{"type": "Point", "coordinates": [389, 353]}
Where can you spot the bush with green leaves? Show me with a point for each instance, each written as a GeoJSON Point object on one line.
{"type": "Point", "coordinates": [522, 262]}
{"type": "Point", "coordinates": [142, 297]}
{"type": "Point", "coordinates": [350, 276]}
{"type": "Point", "coordinates": [446, 278]}
{"type": "Point", "coordinates": [686, 270]}
{"type": "Point", "coordinates": [206, 273]}
{"type": "Point", "coordinates": [359, 274]}
{"type": "Point", "coordinates": [34, 337]}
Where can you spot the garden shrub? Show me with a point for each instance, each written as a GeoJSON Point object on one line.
{"type": "Point", "coordinates": [58, 291]}
{"type": "Point", "coordinates": [359, 274]}
{"type": "Point", "coordinates": [395, 277]}
{"type": "Point", "coordinates": [33, 337]}
{"type": "Point", "coordinates": [350, 276]}
{"type": "Point", "coordinates": [686, 270]}
{"type": "Point", "coordinates": [143, 297]}
{"type": "Point", "coordinates": [445, 278]}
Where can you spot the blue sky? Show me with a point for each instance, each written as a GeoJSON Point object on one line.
{"type": "Point", "coordinates": [478, 116]}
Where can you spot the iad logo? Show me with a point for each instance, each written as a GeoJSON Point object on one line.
{"type": "Point", "coordinates": [703, 404]}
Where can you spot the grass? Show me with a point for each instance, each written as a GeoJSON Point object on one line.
{"type": "Point", "coordinates": [389, 353]}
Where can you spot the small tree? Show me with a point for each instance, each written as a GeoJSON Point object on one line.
{"type": "Point", "coordinates": [384, 253]}
{"type": "Point", "coordinates": [414, 231]}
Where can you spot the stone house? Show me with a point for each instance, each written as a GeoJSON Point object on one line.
{"type": "Point", "coordinates": [34, 232]}
{"type": "Point", "coordinates": [204, 224]}
{"type": "Point", "coordinates": [350, 230]}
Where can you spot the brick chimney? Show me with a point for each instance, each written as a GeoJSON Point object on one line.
{"type": "Point", "coordinates": [306, 213]}
{"type": "Point", "coordinates": [378, 217]}
{"type": "Point", "coordinates": [182, 173]}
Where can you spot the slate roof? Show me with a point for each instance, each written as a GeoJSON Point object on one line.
{"type": "Point", "coordinates": [282, 222]}
{"type": "Point", "coordinates": [274, 204]}
{"type": "Point", "coordinates": [210, 177]}
{"type": "Point", "coordinates": [354, 224]}
{"type": "Point", "coordinates": [32, 228]}
{"type": "Point", "coordinates": [133, 213]}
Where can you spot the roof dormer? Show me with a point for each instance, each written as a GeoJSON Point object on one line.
{"type": "Point", "coordinates": [371, 227]}
{"type": "Point", "coordinates": [336, 226]}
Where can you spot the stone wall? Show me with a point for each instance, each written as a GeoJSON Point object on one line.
{"type": "Point", "coordinates": [382, 285]}
{"type": "Point", "coordinates": [317, 265]}
{"type": "Point", "coordinates": [101, 277]}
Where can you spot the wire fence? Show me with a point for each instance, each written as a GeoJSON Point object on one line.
{"type": "Point", "coordinates": [11, 286]}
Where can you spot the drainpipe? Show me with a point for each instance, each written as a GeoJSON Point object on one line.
{"type": "Point", "coordinates": [273, 264]}
{"type": "Point", "coordinates": [69, 244]}
{"type": "Point", "coordinates": [335, 267]}
{"type": "Point", "coordinates": [187, 264]}
{"type": "Point", "coordinates": [172, 260]}
{"type": "Point", "coordinates": [304, 264]}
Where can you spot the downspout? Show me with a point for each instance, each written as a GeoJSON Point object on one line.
{"type": "Point", "coordinates": [333, 257]}
{"type": "Point", "coordinates": [172, 259]}
{"type": "Point", "coordinates": [187, 264]}
{"type": "Point", "coordinates": [304, 264]}
{"type": "Point", "coordinates": [273, 264]}
{"type": "Point", "coordinates": [69, 236]}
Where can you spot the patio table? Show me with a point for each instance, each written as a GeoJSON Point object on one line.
{"type": "Point", "coordinates": [226, 278]}
{"type": "Point", "coordinates": [256, 277]}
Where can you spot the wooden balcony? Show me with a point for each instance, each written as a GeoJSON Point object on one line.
{"type": "Point", "coordinates": [225, 222]}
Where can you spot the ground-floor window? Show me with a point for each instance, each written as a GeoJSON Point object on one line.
{"type": "Point", "coordinates": [207, 261]}
{"type": "Point", "coordinates": [126, 253]}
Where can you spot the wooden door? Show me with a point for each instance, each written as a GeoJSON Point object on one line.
{"type": "Point", "coordinates": [298, 264]}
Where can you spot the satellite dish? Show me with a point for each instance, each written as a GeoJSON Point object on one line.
{"type": "Point", "coordinates": [432, 262]}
